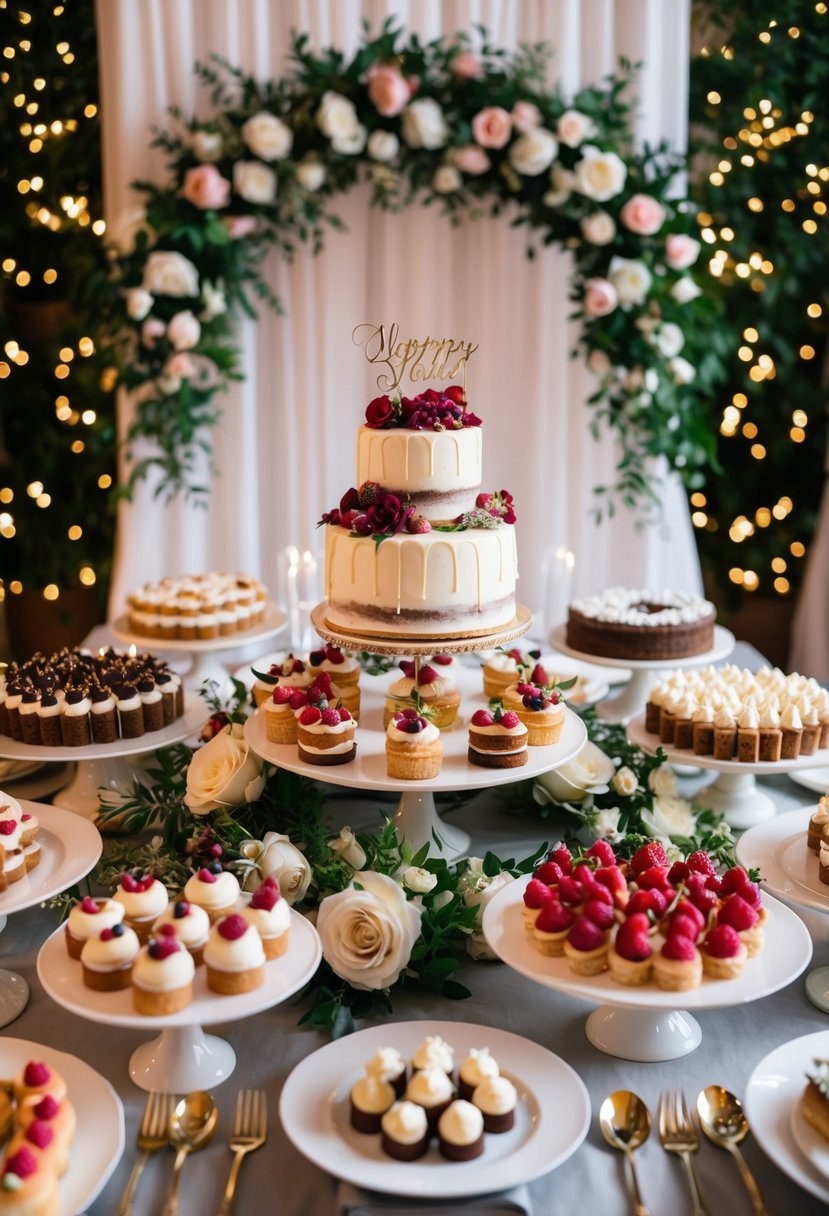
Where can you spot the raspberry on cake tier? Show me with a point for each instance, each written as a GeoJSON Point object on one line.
{"type": "Point", "coordinates": [621, 623]}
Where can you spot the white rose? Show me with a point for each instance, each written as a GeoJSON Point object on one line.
{"type": "Point", "coordinates": [348, 847]}
{"type": "Point", "coordinates": [207, 145]}
{"type": "Point", "coordinates": [383, 146]}
{"type": "Point", "coordinates": [651, 379]}
{"type": "Point", "coordinates": [588, 773]}
{"type": "Point", "coordinates": [533, 152]}
{"type": "Point", "coordinates": [631, 278]}
{"type": "Point", "coordinates": [662, 781]}
{"type": "Point", "coordinates": [336, 116]}
{"type": "Point", "coordinates": [446, 179]}
{"type": "Point", "coordinates": [604, 824]}
{"type": "Point", "coordinates": [311, 175]}
{"type": "Point", "coordinates": [424, 125]}
{"type": "Point", "coordinates": [683, 371]}
{"type": "Point", "coordinates": [278, 858]}
{"type": "Point", "coordinates": [267, 136]}
{"type": "Point", "coordinates": [625, 782]}
{"type": "Point", "coordinates": [479, 897]}
{"type": "Point", "coordinates": [184, 330]}
{"type": "Point", "coordinates": [223, 773]}
{"type": "Point", "coordinates": [600, 175]}
{"type": "Point", "coordinates": [418, 880]}
{"type": "Point", "coordinates": [669, 339]}
{"type": "Point", "coordinates": [139, 303]}
{"type": "Point", "coordinates": [561, 180]}
{"type": "Point", "coordinates": [598, 228]}
{"type": "Point", "coordinates": [573, 128]}
{"type": "Point", "coordinates": [367, 935]}
{"type": "Point", "coordinates": [167, 273]}
{"type": "Point", "coordinates": [351, 144]}
{"type": "Point", "coordinates": [670, 816]}
{"type": "Point", "coordinates": [685, 289]}
{"type": "Point", "coordinates": [254, 182]}
{"type": "Point", "coordinates": [213, 302]}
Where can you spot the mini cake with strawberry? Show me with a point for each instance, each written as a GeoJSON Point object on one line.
{"type": "Point", "coordinates": [144, 898]}
{"type": "Point", "coordinates": [536, 895]}
{"type": "Point", "coordinates": [280, 710]}
{"type": "Point", "coordinates": [326, 736]}
{"type": "Point", "coordinates": [213, 888]}
{"type": "Point", "coordinates": [497, 739]}
{"type": "Point", "coordinates": [234, 956]}
{"type": "Point", "coordinates": [191, 923]}
{"type": "Point", "coordinates": [723, 953]}
{"type": "Point", "coordinates": [107, 958]}
{"type": "Point", "coordinates": [507, 667]}
{"type": "Point", "coordinates": [162, 975]}
{"type": "Point", "coordinates": [414, 750]}
{"type": "Point", "coordinates": [89, 917]}
{"type": "Point", "coordinates": [630, 957]}
{"type": "Point", "coordinates": [586, 947]}
{"type": "Point", "coordinates": [552, 924]}
{"type": "Point", "coordinates": [270, 915]}
{"type": "Point", "coordinates": [541, 709]}
{"type": "Point", "coordinates": [343, 670]}
{"type": "Point", "coordinates": [428, 685]}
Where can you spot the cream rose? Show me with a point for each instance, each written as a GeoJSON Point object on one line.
{"type": "Point", "coordinates": [598, 228]}
{"type": "Point", "coordinates": [485, 890]}
{"type": "Point", "coordinates": [367, 934]}
{"type": "Point", "coordinates": [223, 773]}
{"type": "Point", "coordinates": [207, 145]}
{"type": "Point", "coordinates": [533, 152]}
{"type": "Point", "coordinates": [491, 127]}
{"type": "Point", "coordinates": [254, 182]}
{"type": "Point", "coordinates": [424, 125]}
{"type": "Point", "coordinates": [588, 773]}
{"type": "Point", "coordinates": [685, 289]}
{"type": "Point", "coordinates": [348, 847]}
{"type": "Point", "coordinates": [670, 816]}
{"type": "Point", "coordinates": [418, 880]}
{"type": "Point", "coordinates": [383, 146]}
{"type": "Point", "coordinates": [277, 858]}
{"type": "Point", "coordinates": [604, 824]}
{"type": "Point", "coordinates": [311, 175]}
{"type": "Point", "coordinates": [525, 116]}
{"type": "Point", "coordinates": [681, 251]}
{"type": "Point", "coordinates": [446, 179]}
{"type": "Point", "coordinates": [573, 128]}
{"type": "Point", "coordinates": [337, 117]}
{"type": "Point", "coordinates": [642, 214]}
{"type": "Point", "coordinates": [388, 89]}
{"type": "Point", "coordinates": [625, 782]}
{"type": "Point", "coordinates": [561, 180]}
{"type": "Point", "coordinates": [600, 298]}
{"type": "Point", "coordinates": [600, 175]}
{"type": "Point", "coordinates": [668, 339]}
{"type": "Point", "coordinates": [139, 303]}
{"type": "Point", "coordinates": [471, 159]}
{"type": "Point", "coordinates": [267, 136]}
{"type": "Point", "coordinates": [662, 781]}
{"type": "Point", "coordinates": [167, 273]}
{"type": "Point", "coordinates": [631, 278]}
{"type": "Point", "coordinates": [352, 144]}
{"type": "Point", "coordinates": [184, 330]}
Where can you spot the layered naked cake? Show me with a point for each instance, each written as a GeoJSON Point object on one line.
{"type": "Point", "coordinates": [621, 623]}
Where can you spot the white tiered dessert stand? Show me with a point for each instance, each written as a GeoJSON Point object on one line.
{"type": "Point", "coordinates": [633, 697]}
{"type": "Point", "coordinates": [205, 664]}
{"type": "Point", "coordinates": [645, 1023]}
{"type": "Point", "coordinates": [416, 817]}
{"type": "Point", "coordinates": [69, 848]}
{"type": "Point", "coordinates": [735, 793]}
{"type": "Point", "coordinates": [105, 765]}
{"type": "Point", "coordinates": [182, 1058]}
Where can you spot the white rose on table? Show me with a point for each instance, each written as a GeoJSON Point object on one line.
{"type": "Point", "coordinates": [446, 179]}
{"type": "Point", "coordinates": [669, 816]}
{"type": "Point", "coordinates": [167, 273]}
{"type": "Point", "coordinates": [533, 152]}
{"type": "Point", "coordinates": [600, 175]}
{"type": "Point", "coordinates": [625, 782]}
{"type": "Point", "coordinates": [598, 228]}
{"type": "Point", "coordinates": [383, 146]}
{"type": "Point", "coordinates": [368, 931]}
{"type": "Point", "coordinates": [419, 881]}
{"type": "Point", "coordinates": [139, 303]}
{"type": "Point", "coordinates": [348, 847]}
{"type": "Point", "coordinates": [685, 289]}
{"type": "Point", "coordinates": [223, 773]}
{"type": "Point", "coordinates": [276, 857]}
{"type": "Point", "coordinates": [587, 773]}
{"type": "Point", "coordinates": [311, 175]}
{"type": "Point", "coordinates": [476, 944]}
{"type": "Point", "coordinates": [207, 145]}
{"type": "Point", "coordinates": [668, 339]}
{"type": "Point", "coordinates": [254, 182]}
{"type": "Point", "coordinates": [424, 125]}
{"type": "Point", "coordinates": [573, 128]}
{"type": "Point", "coordinates": [662, 781]}
{"type": "Point", "coordinates": [267, 136]}
{"type": "Point", "coordinates": [184, 330]}
{"type": "Point", "coordinates": [631, 278]}
{"type": "Point", "coordinates": [337, 117]}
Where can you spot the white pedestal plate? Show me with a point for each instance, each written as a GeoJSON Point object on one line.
{"type": "Point", "coordinates": [633, 697]}
{"type": "Point", "coordinates": [69, 848]}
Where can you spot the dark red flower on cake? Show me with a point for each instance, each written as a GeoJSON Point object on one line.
{"type": "Point", "coordinates": [499, 504]}
{"type": "Point", "coordinates": [330, 517]}
{"type": "Point", "coordinates": [379, 413]}
{"type": "Point", "coordinates": [388, 515]}
{"type": "Point", "coordinates": [350, 501]}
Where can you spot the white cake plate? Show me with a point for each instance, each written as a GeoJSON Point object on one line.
{"type": "Point", "coordinates": [204, 663]}
{"type": "Point", "coordinates": [735, 794]}
{"type": "Point", "coordinates": [106, 765]}
{"type": "Point", "coordinates": [69, 848]}
{"type": "Point", "coordinates": [644, 1023]}
{"type": "Point", "coordinates": [182, 1058]}
{"type": "Point", "coordinates": [416, 818]}
{"type": "Point", "coordinates": [633, 697]}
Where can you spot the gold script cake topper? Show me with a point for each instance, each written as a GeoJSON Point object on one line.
{"type": "Point", "coordinates": [419, 358]}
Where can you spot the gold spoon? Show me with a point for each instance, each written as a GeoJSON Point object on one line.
{"type": "Point", "coordinates": [626, 1124]}
{"type": "Point", "coordinates": [723, 1122]}
{"type": "Point", "coordinates": [192, 1125]}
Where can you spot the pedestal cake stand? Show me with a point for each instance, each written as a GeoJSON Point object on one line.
{"type": "Point", "coordinates": [735, 793]}
{"type": "Point", "coordinates": [182, 1058]}
{"type": "Point", "coordinates": [69, 848]}
{"type": "Point", "coordinates": [416, 817]}
{"type": "Point", "coordinates": [633, 697]}
{"type": "Point", "coordinates": [203, 652]}
{"type": "Point", "coordinates": [645, 1023]}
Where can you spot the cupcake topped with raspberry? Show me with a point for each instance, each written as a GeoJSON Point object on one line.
{"type": "Point", "coordinates": [325, 734]}
{"type": "Point", "coordinates": [342, 667]}
{"type": "Point", "coordinates": [497, 739]}
{"type": "Point", "coordinates": [144, 898]}
{"type": "Point", "coordinates": [431, 685]}
{"type": "Point", "coordinates": [191, 924]}
{"type": "Point", "coordinates": [505, 667]}
{"type": "Point", "coordinates": [213, 887]}
{"type": "Point", "coordinates": [540, 708]}
{"type": "Point", "coordinates": [414, 750]}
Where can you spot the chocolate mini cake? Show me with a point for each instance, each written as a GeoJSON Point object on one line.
{"type": "Point", "coordinates": [497, 740]}
{"type": "Point", "coordinates": [404, 1131]}
{"type": "Point", "coordinates": [461, 1131]}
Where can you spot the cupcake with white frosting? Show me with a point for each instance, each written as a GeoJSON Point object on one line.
{"type": "Point", "coordinates": [496, 1098]}
{"type": "Point", "coordinates": [270, 915]}
{"type": "Point", "coordinates": [88, 917]}
{"type": "Point", "coordinates": [191, 924]}
{"type": "Point", "coordinates": [234, 956]}
{"type": "Point", "coordinates": [107, 958]}
{"type": "Point", "coordinates": [144, 898]}
{"type": "Point", "coordinates": [213, 888]}
{"type": "Point", "coordinates": [370, 1098]}
{"type": "Point", "coordinates": [162, 975]}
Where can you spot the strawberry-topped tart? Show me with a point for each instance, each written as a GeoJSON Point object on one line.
{"type": "Point", "coordinates": [723, 953]}
{"type": "Point", "coordinates": [497, 739]}
{"type": "Point", "coordinates": [28, 1186]}
{"type": "Point", "coordinates": [326, 735]}
{"type": "Point", "coordinates": [413, 747]}
{"type": "Point", "coordinates": [35, 1080]}
{"type": "Point", "coordinates": [341, 668]}
{"type": "Point", "coordinates": [290, 673]}
{"type": "Point", "coordinates": [213, 887]}
{"type": "Point", "coordinates": [552, 924]}
{"type": "Point", "coordinates": [234, 956]}
{"type": "Point", "coordinates": [429, 685]}
{"type": "Point", "coordinates": [144, 898]}
{"type": "Point", "coordinates": [270, 914]}
{"type": "Point", "coordinates": [280, 711]}
{"type": "Point", "coordinates": [630, 957]}
{"type": "Point", "coordinates": [540, 708]}
{"type": "Point", "coordinates": [507, 667]}
{"type": "Point", "coordinates": [162, 975]}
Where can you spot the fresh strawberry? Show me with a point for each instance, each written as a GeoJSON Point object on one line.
{"type": "Point", "coordinates": [537, 894]}
{"type": "Point", "coordinates": [482, 717]}
{"type": "Point", "coordinates": [651, 854]}
{"type": "Point", "coordinates": [597, 891]}
{"type": "Point", "coordinates": [334, 655]}
{"type": "Point", "coordinates": [732, 880]}
{"type": "Point", "coordinates": [570, 892]}
{"type": "Point", "coordinates": [549, 872]}
{"type": "Point", "coordinates": [310, 715]}
{"type": "Point", "coordinates": [428, 675]}
{"type": "Point", "coordinates": [641, 902]}
{"type": "Point", "coordinates": [684, 926]}
{"type": "Point", "coordinates": [680, 948]}
{"type": "Point", "coordinates": [298, 699]}
{"type": "Point", "coordinates": [684, 907]}
{"type": "Point", "coordinates": [539, 675]}
{"type": "Point", "coordinates": [516, 654]}
{"type": "Point", "coordinates": [654, 876]}
{"type": "Point", "coordinates": [750, 892]}
{"type": "Point", "coordinates": [407, 667]}
{"type": "Point", "coordinates": [603, 853]}
{"type": "Point", "coordinates": [282, 694]}
{"type": "Point", "coordinates": [613, 878]}
{"type": "Point", "coordinates": [678, 872]}
{"type": "Point", "coordinates": [701, 863]}
{"type": "Point", "coordinates": [585, 935]}
{"type": "Point", "coordinates": [582, 872]}
{"type": "Point", "coordinates": [554, 917]}
{"type": "Point", "coordinates": [723, 942]}
{"type": "Point", "coordinates": [443, 660]}
{"type": "Point", "coordinates": [737, 913]}
{"type": "Point", "coordinates": [632, 941]}
{"type": "Point", "coordinates": [703, 899]}
{"type": "Point", "coordinates": [601, 914]}
{"type": "Point", "coordinates": [345, 714]}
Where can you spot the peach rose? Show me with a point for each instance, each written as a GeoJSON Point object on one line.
{"type": "Point", "coordinates": [643, 214]}
{"type": "Point", "coordinates": [491, 127]}
{"type": "Point", "coordinates": [525, 116]}
{"type": "Point", "coordinates": [205, 187]}
{"type": "Point", "coordinates": [239, 226]}
{"type": "Point", "coordinates": [599, 297]}
{"type": "Point", "coordinates": [466, 65]}
{"type": "Point", "coordinates": [472, 159]}
{"type": "Point", "coordinates": [387, 89]}
{"type": "Point", "coordinates": [681, 251]}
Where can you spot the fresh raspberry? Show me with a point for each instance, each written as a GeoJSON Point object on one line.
{"type": "Point", "coordinates": [732, 880]}
{"type": "Point", "coordinates": [443, 660]}
{"type": "Point", "coordinates": [585, 935]}
{"type": "Point", "coordinates": [334, 655]}
{"type": "Point", "coordinates": [701, 863]}
{"type": "Point", "coordinates": [298, 699]}
{"type": "Point", "coordinates": [482, 717]}
{"type": "Point", "coordinates": [310, 715]}
{"type": "Point", "coordinates": [632, 941]}
{"type": "Point", "coordinates": [106, 935]}
{"type": "Point", "coordinates": [23, 1163]}
{"type": "Point", "coordinates": [36, 1073]}
{"type": "Point", "coordinates": [649, 855]}
{"type": "Point", "coordinates": [750, 892]}
{"type": "Point", "coordinates": [317, 696]}
{"type": "Point", "coordinates": [683, 926]}
{"type": "Point", "coordinates": [678, 872]}
{"type": "Point", "coordinates": [39, 1134]}
{"type": "Point", "coordinates": [603, 853]}
{"type": "Point", "coordinates": [723, 942]}
{"type": "Point", "coordinates": [418, 525]}
{"type": "Point", "coordinates": [144, 884]}
{"type": "Point", "coordinates": [206, 875]}
{"type": "Point", "coordinates": [525, 690]}
{"type": "Point", "coordinates": [266, 895]}
{"type": "Point", "coordinates": [330, 717]}
{"type": "Point", "coordinates": [7, 827]}
{"type": "Point", "coordinates": [232, 927]}
{"type": "Point", "coordinates": [428, 675]}
{"type": "Point", "coordinates": [550, 873]}
{"type": "Point", "coordinates": [562, 856]}
{"type": "Point", "coordinates": [601, 914]}
{"type": "Point", "coordinates": [323, 680]}
{"type": "Point", "coordinates": [345, 714]}
{"type": "Point", "coordinates": [167, 930]}
{"type": "Point", "coordinates": [162, 947]}
{"type": "Point", "coordinates": [539, 675]}
{"type": "Point", "coordinates": [89, 905]}
{"type": "Point", "coordinates": [128, 883]}
{"type": "Point", "coordinates": [510, 720]}
{"type": "Point", "coordinates": [737, 913]}
{"type": "Point", "coordinates": [570, 892]}
{"type": "Point", "coordinates": [282, 694]}
{"type": "Point", "coordinates": [537, 894]}
{"type": "Point", "coordinates": [47, 1108]}
{"type": "Point", "coordinates": [654, 876]}
{"type": "Point", "coordinates": [680, 948]}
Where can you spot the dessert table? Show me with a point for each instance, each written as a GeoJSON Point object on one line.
{"type": "Point", "coordinates": [269, 1044]}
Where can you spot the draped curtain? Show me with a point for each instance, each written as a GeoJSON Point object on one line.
{"type": "Point", "coordinates": [285, 448]}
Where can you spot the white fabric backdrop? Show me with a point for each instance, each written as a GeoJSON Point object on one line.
{"type": "Point", "coordinates": [285, 449]}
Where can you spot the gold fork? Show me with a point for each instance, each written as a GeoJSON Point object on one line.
{"type": "Point", "coordinates": [678, 1135]}
{"type": "Point", "coordinates": [250, 1131]}
{"type": "Point", "coordinates": [152, 1135]}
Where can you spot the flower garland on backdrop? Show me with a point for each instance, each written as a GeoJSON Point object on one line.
{"type": "Point", "coordinates": [387, 917]}
{"type": "Point", "coordinates": [476, 132]}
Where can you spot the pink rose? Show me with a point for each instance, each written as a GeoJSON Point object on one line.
{"type": "Point", "coordinates": [681, 251]}
{"type": "Point", "coordinates": [387, 89]}
{"type": "Point", "coordinates": [205, 187]}
{"type": "Point", "coordinates": [492, 127]}
{"type": "Point", "coordinates": [599, 297]}
{"type": "Point", "coordinates": [643, 214]}
{"type": "Point", "coordinates": [467, 65]}
{"type": "Point", "coordinates": [180, 364]}
{"type": "Point", "coordinates": [472, 159]}
{"type": "Point", "coordinates": [239, 226]}
{"type": "Point", "coordinates": [525, 116]}
{"type": "Point", "coordinates": [152, 329]}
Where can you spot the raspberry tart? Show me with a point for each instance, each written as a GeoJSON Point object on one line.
{"type": "Point", "coordinates": [540, 709]}
{"type": "Point", "coordinates": [270, 915]}
{"type": "Point", "coordinates": [414, 750]}
{"type": "Point", "coordinates": [630, 957]}
{"type": "Point", "coordinates": [497, 739]}
{"type": "Point", "coordinates": [677, 967]}
{"type": "Point", "coordinates": [586, 947]}
{"type": "Point", "coordinates": [326, 736]}
{"type": "Point", "coordinates": [144, 898]}
{"type": "Point", "coordinates": [191, 923]}
{"type": "Point", "coordinates": [552, 924]}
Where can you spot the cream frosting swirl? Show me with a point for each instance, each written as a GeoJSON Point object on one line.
{"type": "Point", "coordinates": [461, 1123]}
{"type": "Point", "coordinates": [405, 1123]}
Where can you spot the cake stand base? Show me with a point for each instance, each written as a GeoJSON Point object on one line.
{"type": "Point", "coordinates": [14, 996]}
{"type": "Point", "coordinates": [207, 665]}
{"type": "Point", "coordinates": [418, 823]}
{"type": "Point", "coordinates": [81, 794]}
{"type": "Point", "coordinates": [632, 698]}
{"type": "Point", "coordinates": [737, 797]}
{"type": "Point", "coordinates": [643, 1034]}
{"type": "Point", "coordinates": [182, 1059]}
{"type": "Point", "coordinates": [817, 988]}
